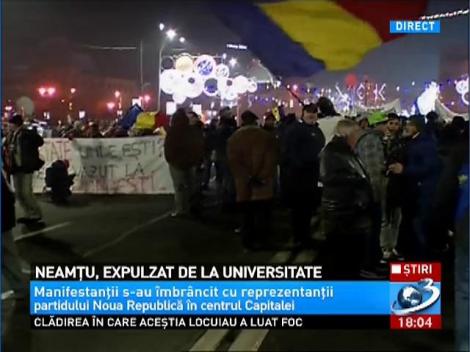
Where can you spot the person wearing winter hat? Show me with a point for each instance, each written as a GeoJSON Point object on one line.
{"type": "Point", "coordinates": [420, 169]}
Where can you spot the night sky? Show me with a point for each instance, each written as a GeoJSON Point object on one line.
{"type": "Point", "coordinates": [38, 33]}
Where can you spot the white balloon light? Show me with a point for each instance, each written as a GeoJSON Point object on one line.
{"type": "Point", "coordinates": [229, 93]}
{"type": "Point", "coordinates": [223, 84]}
{"type": "Point", "coordinates": [179, 98]}
{"type": "Point", "coordinates": [252, 85]}
{"type": "Point", "coordinates": [240, 83]}
{"type": "Point", "coordinates": [222, 71]}
{"type": "Point", "coordinates": [184, 64]}
{"type": "Point", "coordinates": [426, 101]}
{"type": "Point", "coordinates": [193, 86]}
{"type": "Point", "coordinates": [170, 80]}
{"type": "Point", "coordinates": [205, 65]}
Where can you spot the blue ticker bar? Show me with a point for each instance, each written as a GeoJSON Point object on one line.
{"type": "Point", "coordinates": [240, 297]}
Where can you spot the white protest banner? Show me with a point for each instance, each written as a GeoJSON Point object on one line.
{"type": "Point", "coordinates": [110, 165]}
{"type": "Point", "coordinates": [393, 106]}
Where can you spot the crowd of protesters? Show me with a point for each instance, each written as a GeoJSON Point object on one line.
{"type": "Point", "coordinates": [383, 187]}
{"type": "Point", "coordinates": [375, 182]}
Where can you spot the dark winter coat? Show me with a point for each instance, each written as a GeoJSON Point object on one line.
{"type": "Point", "coordinates": [252, 156]}
{"type": "Point", "coordinates": [210, 140]}
{"type": "Point", "coordinates": [300, 163]}
{"type": "Point", "coordinates": [451, 204]}
{"type": "Point", "coordinates": [346, 185]}
{"type": "Point", "coordinates": [184, 144]}
{"type": "Point", "coordinates": [222, 134]}
{"type": "Point", "coordinates": [23, 147]}
{"type": "Point", "coordinates": [421, 170]}
{"type": "Point", "coordinates": [394, 148]}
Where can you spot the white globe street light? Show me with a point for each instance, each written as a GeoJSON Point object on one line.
{"type": "Point", "coordinates": [182, 40]}
{"type": "Point", "coordinates": [161, 26]}
{"type": "Point", "coordinates": [171, 34]}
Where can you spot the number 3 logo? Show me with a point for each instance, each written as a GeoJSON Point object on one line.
{"type": "Point", "coordinates": [426, 285]}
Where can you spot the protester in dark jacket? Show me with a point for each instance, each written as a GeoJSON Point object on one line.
{"type": "Point", "coordinates": [225, 185]}
{"type": "Point", "coordinates": [447, 194]}
{"type": "Point", "coordinates": [452, 213]}
{"type": "Point", "coordinates": [183, 152]}
{"type": "Point", "coordinates": [394, 153]}
{"type": "Point", "coordinates": [210, 140]}
{"type": "Point", "coordinates": [420, 170]}
{"type": "Point", "coordinates": [252, 155]}
{"type": "Point", "coordinates": [450, 136]}
{"type": "Point", "coordinates": [93, 131]}
{"type": "Point", "coordinates": [433, 126]}
{"type": "Point", "coordinates": [284, 126]}
{"type": "Point", "coordinates": [23, 146]}
{"type": "Point", "coordinates": [196, 206]}
{"type": "Point", "coordinates": [59, 181]}
{"type": "Point", "coordinates": [269, 122]}
{"type": "Point", "coordinates": [346, 207]}
{"type": "Point", "coordinates": [301, 148]}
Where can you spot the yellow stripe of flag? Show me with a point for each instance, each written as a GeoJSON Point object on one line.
{"type": "Point", "coordinates": [326, 31]}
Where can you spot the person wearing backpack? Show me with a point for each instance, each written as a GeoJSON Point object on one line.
{"type": "Point", "coordinates": [23, 153]}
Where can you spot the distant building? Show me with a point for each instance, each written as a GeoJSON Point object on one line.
{"type": "Point", "coordinates": [90, 92]}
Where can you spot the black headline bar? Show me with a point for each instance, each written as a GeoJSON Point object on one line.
{"type": "Point", "coordinates": [378, 322]}
{"type": "Point", "coordinates": [156, 272]}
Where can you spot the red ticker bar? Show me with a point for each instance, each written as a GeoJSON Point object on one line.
{"type": "Point", "coordinates": [413, 272]}
{"type": "Point", "coordinates": [415, 322]}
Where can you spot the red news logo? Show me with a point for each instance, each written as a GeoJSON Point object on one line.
{"type": "Point", "coordinates": [412, 272]}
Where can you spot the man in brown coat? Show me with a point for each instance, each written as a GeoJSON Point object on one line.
{"type": "Point", "coordinates": [252, 156]}
{"type": "Point", "coordinates": [183, 151]}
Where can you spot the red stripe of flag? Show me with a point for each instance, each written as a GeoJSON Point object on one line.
{"type": "Point", "coordinates": [378, 13]}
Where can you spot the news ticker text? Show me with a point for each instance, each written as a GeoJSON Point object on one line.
{"type": "Point", "coordinates": [186, 296]}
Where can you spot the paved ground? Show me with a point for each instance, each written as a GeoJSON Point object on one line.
{"type": "Point", "coordinates": [138, 229]}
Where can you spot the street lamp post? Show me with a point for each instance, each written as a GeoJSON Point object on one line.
{"type": "Point", "coordinates": [159, 68]}
{"type": "Point", "coordinates": [169, 36]}
{"type": "Point", "coordinates": [72, 94]}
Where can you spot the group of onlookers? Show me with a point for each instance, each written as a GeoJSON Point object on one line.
{"type": "Point", "coordinates": [374, 188]}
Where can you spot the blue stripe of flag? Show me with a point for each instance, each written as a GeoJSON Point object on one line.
{"type": "Point", "coordinates": [264, 38]}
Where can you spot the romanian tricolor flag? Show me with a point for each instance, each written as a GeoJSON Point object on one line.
{"type": "Point", "coordinates": [301, 37]}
